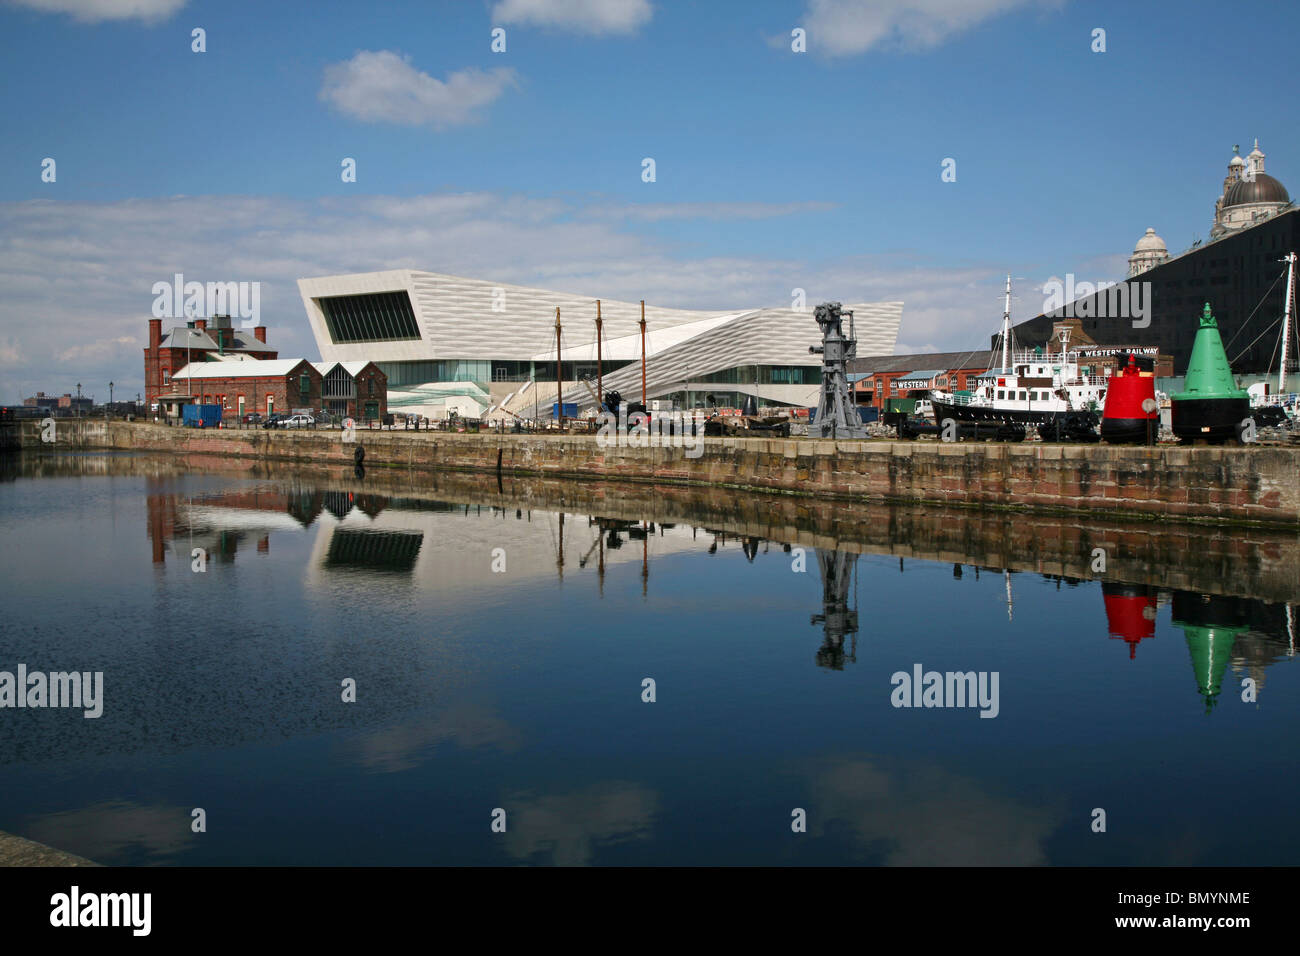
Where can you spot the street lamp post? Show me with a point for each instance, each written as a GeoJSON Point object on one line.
{"type": "Point", "coordinates": [110, 399]}
{"type": "Point", "coordinates": [78, 399]}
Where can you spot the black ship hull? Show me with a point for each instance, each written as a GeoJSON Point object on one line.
{"type": "Point", "coordinates": [1076, 425]}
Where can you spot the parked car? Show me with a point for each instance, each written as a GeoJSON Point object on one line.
{"type": "Point", "coordinates": [253, 418]}
{"type": "Point", "coordinates": [273, 421]}
{"type": "Point", "coordinates": [298, 421]}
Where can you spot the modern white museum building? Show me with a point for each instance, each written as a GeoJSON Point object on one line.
{"type": "Point", "coordinates": [474, 346]}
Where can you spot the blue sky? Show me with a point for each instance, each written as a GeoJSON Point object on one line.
{"type": "Point", "coordinates": [774, 169]}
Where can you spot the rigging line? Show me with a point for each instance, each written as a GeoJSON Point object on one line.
{"type": "Point", "coordinates": [1256, 339]}
{"type": "Point", "coordinates": [1243, 325]}
{"type": "Point", "coordinates": [551, 531]}
{"type": "Point", "coordinates": [1274, 353]}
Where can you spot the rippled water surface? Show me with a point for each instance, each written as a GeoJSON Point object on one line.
{"type": "Point", "coordinates": [772, 632]}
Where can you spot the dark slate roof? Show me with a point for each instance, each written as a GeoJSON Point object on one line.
{"type": "Point", "coordinates": [182, 336]}
{"type": "Point", "coordinates": [970, 359]}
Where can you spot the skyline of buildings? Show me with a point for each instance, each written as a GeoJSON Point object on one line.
{"type": "Point", "coordinates": [740, 206]}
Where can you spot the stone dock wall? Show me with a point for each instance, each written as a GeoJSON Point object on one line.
{"type": "Point", "coordinates": [1251, 485]}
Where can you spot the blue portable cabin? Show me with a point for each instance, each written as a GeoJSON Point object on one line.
{"type": "Point", "coordinates": [201, 416]}
{"type": "Point", "coordinates": [570, 410]}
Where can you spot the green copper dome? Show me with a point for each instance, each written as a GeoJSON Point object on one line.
{"type": "Point", "coordinates": [1208, 374]}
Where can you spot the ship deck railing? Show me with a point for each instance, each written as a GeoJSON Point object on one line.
{"type": "Point", "coordinates": [952, 399]}
{"type": "Point", "coordinates": [1277, 398]}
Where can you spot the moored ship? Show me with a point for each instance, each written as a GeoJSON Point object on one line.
{"type": "Point", "coordinates": [1050, 391]}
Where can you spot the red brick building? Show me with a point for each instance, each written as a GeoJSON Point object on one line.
{"type": "Point", "coordinates": [283, 386]}
{"type": "Point", "coordinates": [240, 387]}
{"type": "Point", "coordinates": [196, 341]}
{"type": "Point", "coordinates": [878, 377]}
{"type": "Point", "coordinates": [356, 390]}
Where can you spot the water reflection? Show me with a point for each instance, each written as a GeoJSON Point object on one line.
{"type": "Point", "coordinates": [567, 829]}
{"type": "Point", "coordinates": [1220, 631]}
{"type": "Point", "coordinates": [839, 621]}
{"type": "Point", "coordinates": [1130, 613]}
{"type": "Point", "coordinates": [916, 813]}
{"type": "Point", "coordinates": [372, 533]}
{"type": "Point", "coordinates": [1249, 635]}
{"type": "Point", "coordinates": [409, 744]}
{"type": "Point", "coordinates": [120, 831]}
{"type": "Point", "coordinates": [475, 686]}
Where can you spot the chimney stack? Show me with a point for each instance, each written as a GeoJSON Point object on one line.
{"type": "Point", "coordinates": [259, 333]}
{"type": "Point", "coordinates": [201, 324]}
{"type": "Point", "coordinates": [155, 335]}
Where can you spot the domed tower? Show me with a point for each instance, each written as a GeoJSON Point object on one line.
{"type": "Point", "coordinates": [1252, 197]}
{"type": "Point", "coordinates": [1236, 166]}
{"type": "Point", "coordinates": [1149, 252]}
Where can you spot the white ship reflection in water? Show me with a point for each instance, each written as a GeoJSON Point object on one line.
{"type": "Point", "coordinates": [499, 637]}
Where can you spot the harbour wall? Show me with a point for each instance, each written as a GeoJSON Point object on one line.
{"type": "Point", "coordinates": [1251, 485]}
{"type": "Point", "coordinates": [1255, 562]}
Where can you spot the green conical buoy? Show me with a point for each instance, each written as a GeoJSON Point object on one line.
{"type": "Point", "coordinates": [1208, 374]}
{"type": "Point", "coordinates": [1211, 407]}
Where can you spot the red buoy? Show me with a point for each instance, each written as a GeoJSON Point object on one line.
{"type": "Point", "coordinates": [1130, 415]}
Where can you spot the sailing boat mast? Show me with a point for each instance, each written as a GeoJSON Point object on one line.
{"type": "Point", "coordinates": [1286, 320]}
{"type": "Point", "coordinates": [1006, 330]}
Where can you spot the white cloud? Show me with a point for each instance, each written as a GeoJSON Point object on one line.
{"type": "Point", "coordinates": [98, 350]}
{"type": "Point", "coordinates": [592, 17]}
{"type": "Point", "coordinates": [848, 27]}
{"type": "Point", "coordinates": [97, 11]}
{"type": "Point", "coordinates": [660, 212]}
{"type": "Point", "coordinates": [76, 277]}
{"type": "Point", "coordinates": [380, 86]}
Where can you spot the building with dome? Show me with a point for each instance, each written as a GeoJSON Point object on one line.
{"type": "Point", "coordinates": [1249, 197]}
{"type": "Point", "coordinates": [1149, 253]}
{"type": "Point", "coordinates": [1238, 270]}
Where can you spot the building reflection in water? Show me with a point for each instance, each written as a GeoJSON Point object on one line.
{"type": "Point", "coordinates": [373, 550]}
{"type": "Point", "coordinates": [378, 533]}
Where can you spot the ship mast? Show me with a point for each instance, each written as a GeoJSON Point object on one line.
{"type": "Point", "coordinates": [1286, 320]}
{"type": "Point", "coordinates": [1006, 329]}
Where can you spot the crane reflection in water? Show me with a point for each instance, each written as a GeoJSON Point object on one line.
{"type": "Point", "coordinates": [839, 620]}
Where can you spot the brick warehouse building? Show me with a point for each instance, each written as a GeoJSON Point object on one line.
{"type": "Point", "coordinates": [354, 389]}
{"type": "Point", "coordinates": [241, 386]}
{"type": "Point", "coordinates": [875, 378]}
{"type": "Point", "coordinates": [195, 342]}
